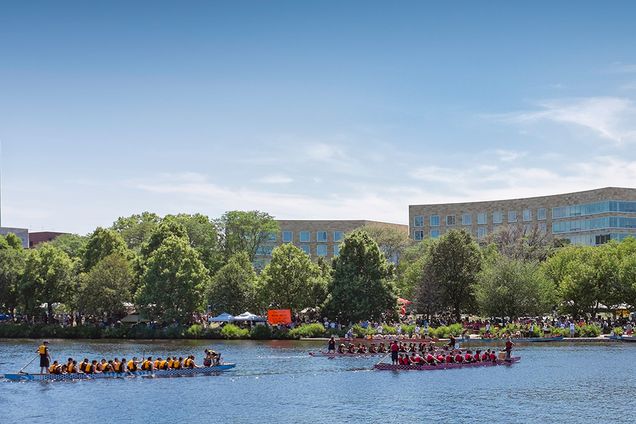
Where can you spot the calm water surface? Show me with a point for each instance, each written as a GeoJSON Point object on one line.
{"type": "Point", "coordinates": [279, 382]}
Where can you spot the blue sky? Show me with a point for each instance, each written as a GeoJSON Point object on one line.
{"type": "Point", "coordinates": [308, 109]}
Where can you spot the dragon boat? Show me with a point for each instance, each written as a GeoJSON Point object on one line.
{"type": "Point", "coordinates": [445, 366]}
{"type": "Point", "coordinates": [346, 354]}
{"type": "Point", "coordinates": [517, 340]}
{"type": "Point", "coordinates": [98, 376]}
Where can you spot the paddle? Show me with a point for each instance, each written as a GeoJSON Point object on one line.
{"type": "Point", "coordinates": [383, 358]}
{"type": "Point", "coordinates": [28, 363]}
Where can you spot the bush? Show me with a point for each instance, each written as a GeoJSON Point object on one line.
{"type": "Point", "coordinates": [589, 330]}
{"type": "Point", "coordinates": [359, 331]}
{"type": "Point", "coordinates": [195, 331]}
{"type": "Point", "coordinates": [387, 329]}
{"type": "Point", "coordinates": [408, 329]}
{"type": "Point", "coordinates": [618, 331]}
{"type": "Point", "coordinates": [231, 331]}
{"type": "Point", "coordinates": [261, 332]}
{"type": "Point", "coordinates": [308, 330]}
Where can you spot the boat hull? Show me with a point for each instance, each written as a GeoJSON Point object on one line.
{"type": "Point", "coordinates": [444, 366]}
{"type": "Point", "coordinates": [106, 375]}
{"type": "Point", "coordinates": [628, 339]}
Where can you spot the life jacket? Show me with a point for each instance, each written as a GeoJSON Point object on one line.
{"type": "Point", "coordinates": [493, 357]}
{"type": "Point", "coordinates": [484, 356]}
{"type": "Point", "coordinates": [53, 369]}
{"type": "Point", "coordinates": [88, 368]}
{"type": "Point", "coordinates": [449, 359]}
{"type": "Point", "coordinates": [69, 367]}
{"type": "Point", "coordinates": [440, 358]}
{"type": "Point", "coordinates": [469, 357]}
{"type": "Point", "coordinates": [162, 365]}
{"type": "Point", "coordinates": [156, 363]}
{"type": "Point", "coordinates": [458, 358]}
{"type": "Point", "coordinates": [169, 364]}
{"type": "Point", "coordinates": [117, 366]}
{"type": "Point", "coordinates": [145, 365]}
{"type": "Point", "coordinates": [132, 366]}
{"type": "Point", "coordinates": [176, 364]}
{"type": "Point", "coordinates": [42, 350]}
{"type": "Point", "coordinates": [187, 363]}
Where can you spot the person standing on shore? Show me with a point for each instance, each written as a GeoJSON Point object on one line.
{"type": "Point", "coordinates": [45, 357]}
{"type": "Point", "coordinates": [331, 346]}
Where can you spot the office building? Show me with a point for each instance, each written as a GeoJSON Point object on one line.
{"type": "Point", "coordinates": [589, 217]}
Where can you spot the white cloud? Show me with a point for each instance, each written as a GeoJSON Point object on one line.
{"type": "Point", "coordinates": [509, 155]}
{"type": "Point", "coordinates": [611, 118]}
{"type": "Point", "coordinates": [275, 179]}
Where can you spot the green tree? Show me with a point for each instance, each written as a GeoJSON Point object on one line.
{"type": "Point", "coordinates": [392, 240]}
{"type": "Point", "coordinates": [410, 274]}
{"type": "Point", "coordinates": [453, 264]}
{"type": "Point", "coordinates": [361, 287]}
{"type": "Point", "coordinates": [11, 268]}
{"type": "Point", "coordinates": [136, 229]}
{"type": "Point", "coordinates": [204, 237]}
{"type": "Point", "coordinates": [48, 278]}
{"type": "Point", "coordinates": [173, 283]}
{"type": "Point", "coordinates": [245, 231]}
{"type": "Point", "coordinates": [291, 280]}
{"type": "Point", "coordinates": [106, 287]}
{"type": "Point", "coordinates": [169, 227]}
{"type": "Point", "coordinates": [73, 245]}
{"type": "Point", "coordinates": [232, 288]}
{"type": "Point", "coordinates": [513, 288]}
{"type": "Point", "coordinates": [102, 243]}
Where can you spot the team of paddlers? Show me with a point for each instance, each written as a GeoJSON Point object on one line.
{"type": "Point", "coordinates": [116, 365]}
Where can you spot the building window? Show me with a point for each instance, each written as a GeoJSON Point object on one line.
{"type": "Point", "coordinates": [497, 217]}
{"type": "Point", "coordinates": [271, 237]}
{"type": "Point", "coordinates": [450, 220]}
{"type": "Point", "coordinates": [321, 236]}
{"type": "Point", "coordinates": [434, 220]}
{"type": "Point", "coordinates": [512, 216]}
{"type": "Point", "coordinates": [467, 219]}
{"type": "Point", "coordinates": [434, 233]}
{"type": "Point", "coordinates": [336, 249]}
{"type": "Point", "coordinates": [541, 214]}
{"type": "Point", "coordinates": [482, 218]}
{"type": "Point", "coordinates": [288, 237]}
{"type": "Point", "coordinates": [337, 236]}
{"type": "Point", "coordinates": [543, 228]}
{"type": "Point", "coordinates": [481, 232]}
{"type": "Point", "coordinates": [305, 236]}
{"type": "Point", "coordinates": [264, 250]}
{"type": "Point", "coordinates": [527, 215]}
{"type": "Point", "coordinates": [418, 221]}
{"type": "Point", "coordinates": [305, 248]}
{"type": "Point", "coordinates": [418, 235]}
{"type": "Point", "coordinates": [321, 249]}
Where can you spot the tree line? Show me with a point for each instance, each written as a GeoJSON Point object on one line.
{"type": "Point", "coordinates": [175, 266]}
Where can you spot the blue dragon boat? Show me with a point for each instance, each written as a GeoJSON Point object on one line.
{"type": "Point", "coordinates": [98, 376]}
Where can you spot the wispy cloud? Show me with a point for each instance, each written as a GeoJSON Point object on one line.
{"type": "Point", "coordinates": [509, 155]}
{"type": "Point", "coordinates": [611, 118]}
{"type": "Point", "coordinates": [275, 179]}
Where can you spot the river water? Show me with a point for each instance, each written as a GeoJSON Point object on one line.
{"type": "Point", "coordinates": [278, 382]}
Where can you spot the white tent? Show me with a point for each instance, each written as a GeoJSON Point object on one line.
{"type": "Point", "coordinates": [224, 317]}
{"type": "Point", "coordinates": [248, 316]}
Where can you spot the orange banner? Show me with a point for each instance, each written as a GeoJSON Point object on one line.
{"type": "Point", "coordinates": [279, 316]}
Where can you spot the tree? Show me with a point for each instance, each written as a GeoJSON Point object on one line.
{"type": "Point", "coordinates": [204, 237]}
{"type": "Point", "coordinates": [106, 287]}
{"type": "Point", "coordinates": [173, 283]}
{"type": "Point", "coordinates": [11, 269]}
{"type": "Point", "coordinates": [361, 287]}
{"type": "Point", "coordinates": [232, 288]}
{"type": "Point", "coordinates": [73, 245]}
{"type": "Point", "coordinates": [393, 241]}
{"type": "Point", "coordinates": [517, 242]}
{"type": "Point", "coordinates": [291, 280]}
{"type": "Point", "coordinates": [48, 278]}
{"type": "Point", "coordinates": [243, 231]}
{"type": "Point", "coordinates": [102, 243]}
{"type": "Point", "coordinates": [169, 227]}
{"type": "Point", "coordinates": [453, 264]}
{"type": "Point", "coordinates": [410, 273]}
{"type": "Point", "coordinates": [136, 229]}
{"type": "Point", "coordinates": [513, 288]}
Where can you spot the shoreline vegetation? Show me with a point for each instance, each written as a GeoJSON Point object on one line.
{"type": "Point", "coordinates": [262, 332]}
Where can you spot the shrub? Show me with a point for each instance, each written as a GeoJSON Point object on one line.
{"type": "Point", "coordinates": [261, 332]}
{"type": "Point", "coordinates": [387, 329]}
{"type": "Point", "coordinates": [231, 331]}
{"type": "Point", "coordinates": [195, 331]}
{"type": "Point", "coordinates": [308, 330]}
{"type": "Point", "coordinates": [589, 330]}
{"type": "Point", "coordinates": [440, 332]}
{"type": "Point", "coordinates": [359, 331]}
{"type": "Point", "coordinates": [618, 331]}
{"type": "Point", "coordinates": [408, 329]}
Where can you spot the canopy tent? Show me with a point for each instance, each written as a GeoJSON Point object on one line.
{"type": "Point", "coordinates": [248, 316]}
{"type": "Point", "coordinates": [224, 317]}
{"type": "Point", "coordinates": [133, 319]}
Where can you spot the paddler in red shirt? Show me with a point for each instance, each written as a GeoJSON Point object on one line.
{"type": "Point", "coordinates": [509, 345]}
{"type": "Point", "coordinates": [459, 358]}
{"type": "Point", "coordinates": [469, 356]}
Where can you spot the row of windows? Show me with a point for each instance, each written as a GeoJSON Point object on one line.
{"type": "Point", "coordinates": [482, 231]}
{"type": "Point", "coordinates": [482, 218]}
{"type": "Point", "coordinates": [321, 250]}
{"type": "Point", "coordinates": [596, 239]}
{"type": "Point", "coordinates": [593, 224]}
{"type": "Point", "coordinates": [305, 236]}
{"type": "Point", "coordinates": [593, 208]}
